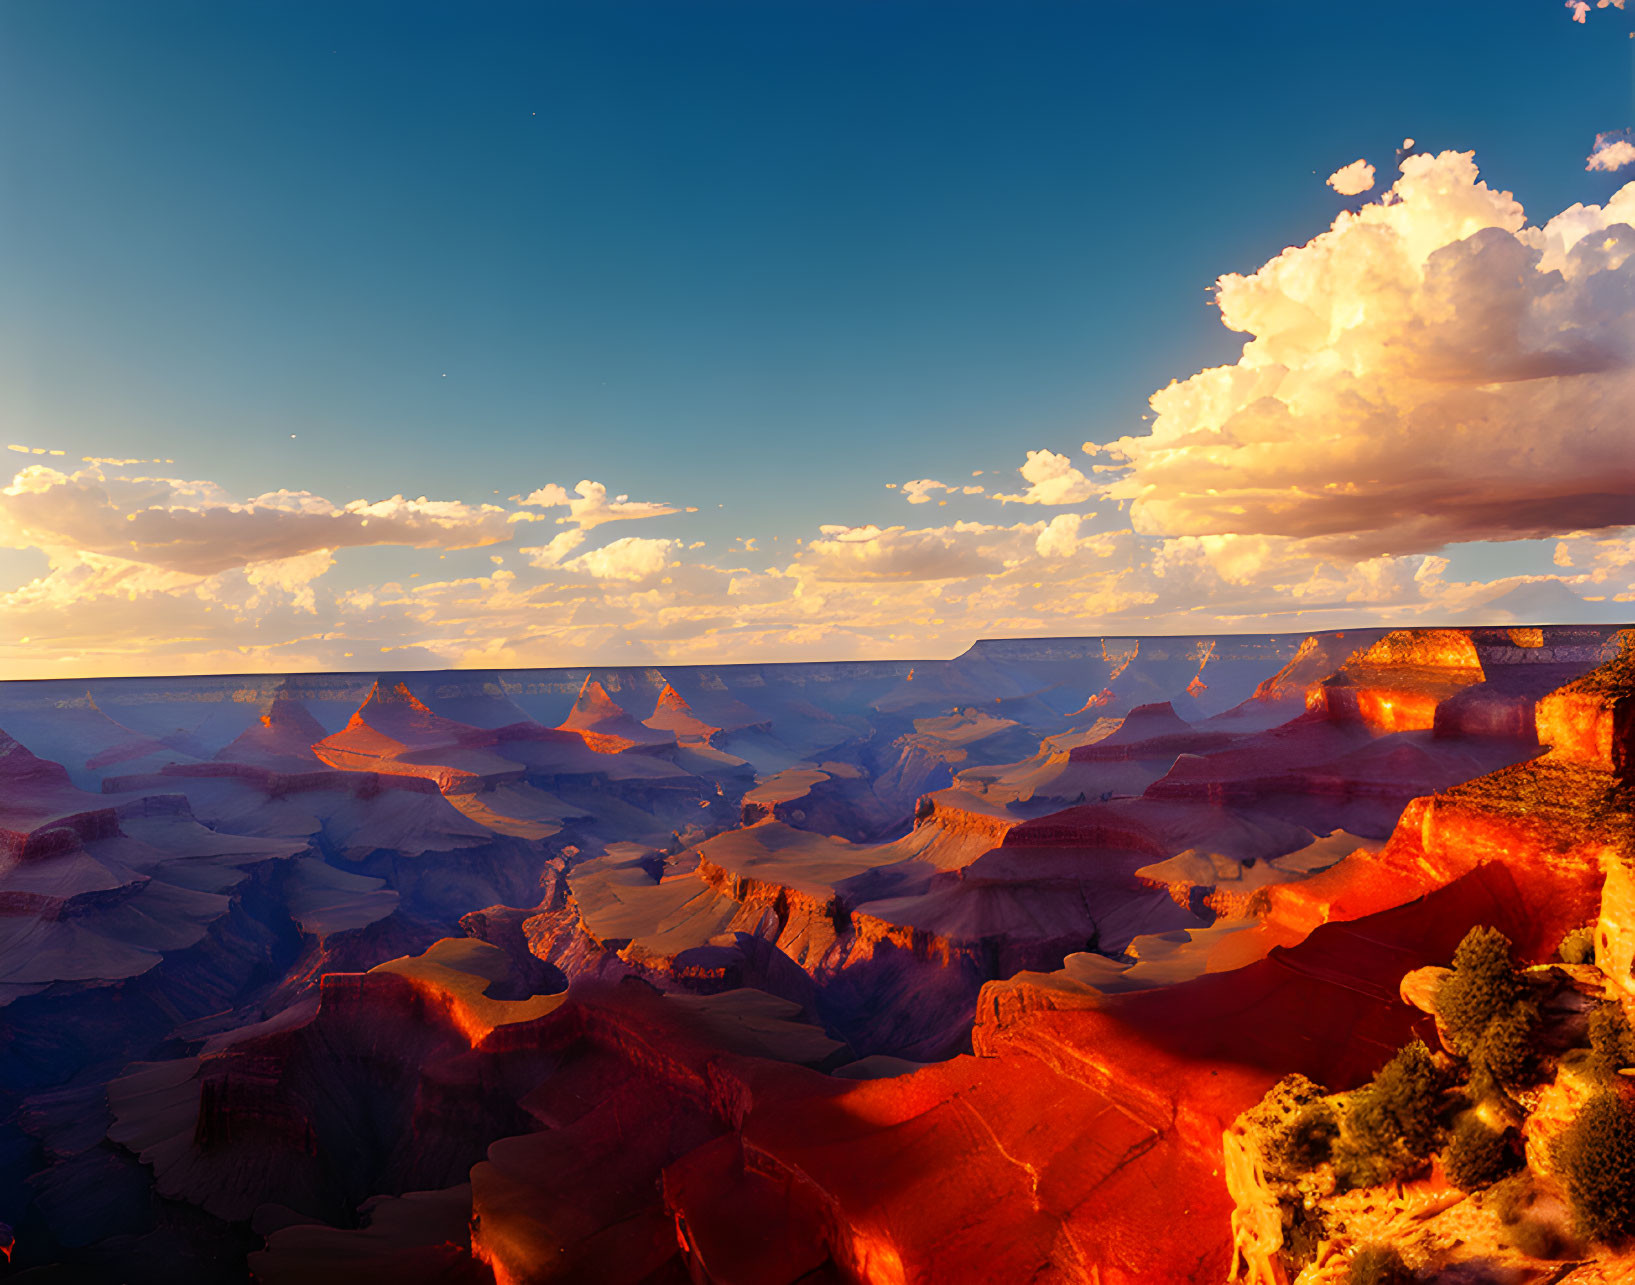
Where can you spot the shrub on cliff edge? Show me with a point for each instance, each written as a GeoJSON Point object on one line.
{"type": "Point", "coordinates": [1612, 1043]}
{"type": "Point", "coordinates": [1596, 1159]}
{"type": "Point", "coordinates": [1477, 1156]}
{"type": "Point", "coordinates": [1393, 1123]}
{"type": "Point", "coordinates": [1485, 982]}
{"type": "Point", "coordinates": [1506, 1050]}
{"type": "Point", "coordinates": [1377, 1265]}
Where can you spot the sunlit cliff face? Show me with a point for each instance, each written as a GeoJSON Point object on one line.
{"type": "Point", "coordinates": [1432, 369]}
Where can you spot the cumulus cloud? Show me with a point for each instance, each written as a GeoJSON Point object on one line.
{"type": "Point", "coordinates": [1611, 152]}
{"type": "Point", "coordinates": [551, 554]}
{"type": "Point", "coordinates": [1431, 369]}
{"type": "Point", "coordinates": [590, 508]}
{"type": "Point", "coordinates": [630, 559]}
{"type": "Point", "coordinates": [1352, 179]}
{"type": "Point", "coordinates": [1052, 479]}
{"type": "Point", "coordinates": [549, 496]}
{"type": "Point", "coordinates": [197, 528]}
{"type": "Point", "coordinates": [1060, 538]}
{"type": "Point", "coordinates": [919, 491]}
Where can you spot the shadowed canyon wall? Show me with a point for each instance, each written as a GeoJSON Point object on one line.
{"type": "Point", "coordinates": [897, 972]}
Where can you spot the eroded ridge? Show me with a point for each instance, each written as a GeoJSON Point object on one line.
{"type": "Point", "coordinates": [933, 971]}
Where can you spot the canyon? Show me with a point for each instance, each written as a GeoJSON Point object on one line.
{"type": "Point", "coordinates": [897, 972]}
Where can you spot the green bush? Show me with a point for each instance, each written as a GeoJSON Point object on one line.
{"type": "Point", "coordinates": [1578, 946]}
{"type": "Point", "coordinates": [1393, 1123]}
{"type": "Point", "coordinates": [1612, 1043]}
{"type": "Point", "coordinates": [1596, 1158]}
{"type": "Point", "coordinates": [1484, 983]}
{"type": "Point", "coordinates": [1377, 1265]}
{"type": "Point", "coordinates": [1309, 1138]}
{"type": "Point", "coordinates": [1505, 1052]}
{"type": "Point", "coordinates": [1295, 1126]}
{"type": "Point", "coordinates": [1477, 1156]}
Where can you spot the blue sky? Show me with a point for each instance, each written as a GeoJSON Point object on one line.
{"type": "Point", "coordinates": [757, 259]}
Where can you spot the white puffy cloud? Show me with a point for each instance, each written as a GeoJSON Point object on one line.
{"type": "Point", "coordinates": [1060, 538]}
{"type": "Point", "coordinates": [197, 528]}
{"type": "Point", "coordinates": [559, 547]}
{"type": "Point", "coordinates": [631, 558]}
{"type": "Point", "coordinates": [1430, 369]}
{"type": "Point", "coordinates": [1352, 179]}
{"type": "Point", "coordinates": [591, 507]}
{"type": "Point", "coordinates": [1052, 479]}
{"type": "Point", "coordinates": [1611, 152]}
{"type": "Point", "coordinates": [919, 491]}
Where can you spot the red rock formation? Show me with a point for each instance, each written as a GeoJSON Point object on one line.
{"type": "Point", "coordinates": [263, 1115]}
{"type": "Point", "coordinates": [1592, 719]}
{"type": "Point", "coordinates": [1150, 731]}
{"type": "Point", "coordinates": [1320, 656]}
{"type": "Point", "coordinates": [963, 821]}
{"type": "Point", "coordinates": [605, 725]}
{"type": "Point", "coordinates": [674, 715]}
{"type": "Point", "coordinates": [282, 741]}
{"type": "Point", "coordinates": [643, 1137]}
{"type": "Point", "coordinates": [1554, 823]}
{"type": "Point", "coordinates": [41, 811]}
{"type": "Point", "coordinates": [1397, 684]}
{"type": "Point", "coordinates": [1099, 701]}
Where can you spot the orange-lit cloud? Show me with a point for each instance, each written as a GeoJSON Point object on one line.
{"type": "Point", "coordinates": [922, 490]}
{"type": "Point", "coordinates": [197, 528]}
{"type": "Point", "coordinates": [919, 491]}
{"type": "Point", "coordinates": [1430, 369]}
{"type": "Point", "coordinates": [1052, 479]}
{"type": "Point", "coordinates": [851, 592]}
{"type": "Point", "coordinates": [632, 558]}
{"type": "Point", "coordinates": [1611, 152]}
{"type": "Point", "coordinates": [1352, 179]}
{"type": "Point", "coordinates": [591, 507]}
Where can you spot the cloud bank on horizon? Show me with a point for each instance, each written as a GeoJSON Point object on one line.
{"type": "Point", "coordinates": [1431, 370]}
